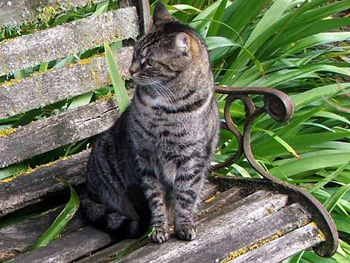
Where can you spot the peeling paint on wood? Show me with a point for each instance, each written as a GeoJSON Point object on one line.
{"type": "Point", "coordinates": [51, 133]}
{"type": "Point", "coordinates": [72, 38]}
{"type": "Point", "coordinates": [58, 84]}
{"type": "Point", "coordinates": [17, 12]}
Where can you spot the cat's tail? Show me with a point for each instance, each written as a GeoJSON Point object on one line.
{"type": "Point", "coordinates": [111, 221]}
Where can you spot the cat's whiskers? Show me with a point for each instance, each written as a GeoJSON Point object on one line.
{"type": "Point", "coordinates": [170, 95]}
{"type": "Point", "coordinates": [159, 88]}
{"type": "Point", "coordinates": [165, 92]}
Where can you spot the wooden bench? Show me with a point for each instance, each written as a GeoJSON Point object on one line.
{"type": "Point", "coordinates": [244, 220]}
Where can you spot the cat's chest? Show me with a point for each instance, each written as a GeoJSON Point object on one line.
{"type": "Point", "coordinates": [153, 102]}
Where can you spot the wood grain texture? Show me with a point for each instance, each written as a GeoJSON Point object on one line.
{"type": "Point", "coordinates": [284, 247]}
{"type": "Point", "coordinates": [68, 247]}
{"type": "Point", "coordinates": [216, 233]}
{"type": "Point", "coordinates": [18, 238]}
{"type": "Point", "coordinates": [51, 133]}
{"type": "Point", "coordinates": [17, 12]}
{"type": "Point", "coordinates": [58, 84]}
{"type": "Point", "coordinates": [32, 187]}
{"type": "Point", "coordinates": [206, 209]}
{"type": "Point", "coordinates": [71, 38]}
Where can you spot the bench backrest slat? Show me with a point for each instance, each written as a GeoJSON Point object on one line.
{"type": "Point", "coordinates": [17, 12]}
{"type": "Point", "coordinates": [48, 134]}
{"type": "Point", "coordinates": [55, 85]}
{"type": "Point", "coordinates": [71, 38]}
{"type": "Point", "coordinates": [30, 186]}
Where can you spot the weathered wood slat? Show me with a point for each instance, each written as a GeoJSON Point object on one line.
{"type": "Point", "coordinates": [216, 234]}
{"type": "Point", "coordinates": [107, 254]}
{"type": "Point", "coordinates": [266, 230]}
{"type": "Point", "coordinates": [48, 134]}
{"type": "Point", "coordinates": [17, 12]}
{"type": "Point", "coordinates": [17, 238]}
{"type": "Point", "coordinates": [71, 38]}
{"type": "Point", "coordinates": [69, 247]}
{"type": "Point", "coordinates": [31, 187]}
{"type": "Point", "coordinates": [57, 84]}
{"type": "Point", "coordinates": [284, 247]}
{"type": "Point", "coordinates": [219, 201]}
{"type": "Point", "coordinates": [20, 237]}
{"type": "Point", "coordinates": [206, 209]}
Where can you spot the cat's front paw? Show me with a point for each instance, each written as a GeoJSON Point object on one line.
{"type": "Point", "coordinates": [160, 235]}
{"type": "Point", "coordinates": [187, 233]}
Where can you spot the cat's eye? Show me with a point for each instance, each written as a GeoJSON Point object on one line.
{"type": "Point", "coordinates": [151, 62]}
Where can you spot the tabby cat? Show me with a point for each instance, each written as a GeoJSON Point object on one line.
{"type": "Point", "coordinates": [154, 159]}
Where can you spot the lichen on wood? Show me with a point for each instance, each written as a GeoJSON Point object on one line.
{"type": "Point", "coordinates": [29, 11]}
{"type": "Point", "coordinates": [50, 133]}
{"type": "Point", "coordinates": [32, 170]}
{"type": "Point", "coordinates": [7, 132]}
{"type": "Point", "coordinates": [58, 42]}
{"type": "Point", "coordinates": [244, 250]}
{"type": "Point", "coordinates": [44, 88]}
{"type": "Point", "coordinates": [31, 185]}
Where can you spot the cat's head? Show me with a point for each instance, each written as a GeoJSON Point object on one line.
{"type": "Point", "coordinates": [165, 52]}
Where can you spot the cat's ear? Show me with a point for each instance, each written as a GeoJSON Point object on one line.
{"type": "Point", "coordinates": [160, 14]}
{"type": "Point", "coordinates": [182, 42]}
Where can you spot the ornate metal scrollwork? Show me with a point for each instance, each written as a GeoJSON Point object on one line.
{"type": "Point", "coordinates": [279, 106]}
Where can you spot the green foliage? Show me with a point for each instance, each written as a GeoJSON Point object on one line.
{"type": "Point", "coordinates": [117, 81]}
{"type": "Point", "coordinates": [300, 48]}
{"type": "Point", "coordinates": [62, 219]}
{"type": "Point", "coordinates": [144, 239]}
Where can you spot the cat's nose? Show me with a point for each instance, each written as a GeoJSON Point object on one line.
{"type": "Point", "coordinates": [134, 68]}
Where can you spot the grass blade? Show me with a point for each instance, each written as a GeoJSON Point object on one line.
{"type": "Point", "coordinates": [117, 81]}
{"type": "Point", "coordinates": [332, 201]}
{"type": "Point", "coordinates": [11, 171]}
{"type": "Point", "coordinates": [62, 219]}
{"type": "Point", "coordinates": [134, 245]}
{"type": "Point", "coordinates": [80, 100]}
{"type": "Point", "coordinates": [329, 178]}
{"type": "Point", "coordinates": [214, 27]}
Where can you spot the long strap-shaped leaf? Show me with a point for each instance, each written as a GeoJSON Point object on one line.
{"type": "Point", "coordinates": [117, 81]}
{"type": "Point", "coordinates": [62, 219]}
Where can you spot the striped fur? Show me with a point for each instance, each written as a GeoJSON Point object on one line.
{"type": "Point", "coordinates": [154, 159]}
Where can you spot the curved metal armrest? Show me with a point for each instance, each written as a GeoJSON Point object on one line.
{"type": "Point", "coordinates": [279, 106]}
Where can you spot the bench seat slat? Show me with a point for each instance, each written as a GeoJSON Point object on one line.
{"type": "Point", "coordinates": [284, 247]}
{"type": "Point", "coordinates": [216, 235]}
{"type": "Point", "coordinates": [17, 12]}
{"type": "Point", "coordinates": [18, 238]}
{"type": "Point", "coordinates": [51, 133]}
{"type": "Point", "coordinates": [77, 240]}
{"type": "Point", "coordinates": [57, 84]}
{"type": "Point", "coordinates": [69, 247]}
{"type": "Point", "coordinates": [71, 38]}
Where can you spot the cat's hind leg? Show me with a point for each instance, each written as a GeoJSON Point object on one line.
{"type": "Point", "coordinates": [111, 221]}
